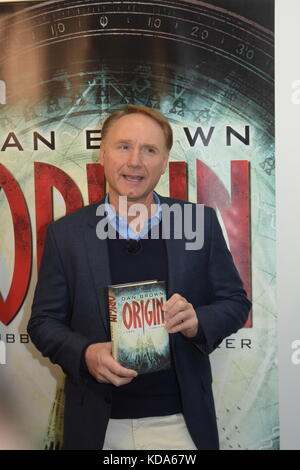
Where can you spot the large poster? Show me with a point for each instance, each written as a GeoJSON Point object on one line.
{"type": "Point", "coordinates": [208, 66]}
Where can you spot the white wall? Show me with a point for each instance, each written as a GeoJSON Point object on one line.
{"type": "Point", "coordinates": [287, 113]}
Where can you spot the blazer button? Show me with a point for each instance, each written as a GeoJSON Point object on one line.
{"type": "Point", "coordinates": [107, 400]}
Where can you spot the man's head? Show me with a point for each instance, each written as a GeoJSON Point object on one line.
{"type": "Point", "coordinates": [133, 109]}
{"type": "Point", "coordinates": [134, 152]}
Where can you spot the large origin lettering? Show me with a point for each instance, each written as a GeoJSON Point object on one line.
{"type": "Point", "coordinates": [46, 177]}
{"type": "Point", "coordinates": [178, 180]}
{"type": "Point", "coordinates": [234, 209]}
{"type": "Point", "coordinates": [95, 181]}
{"type": "Point", "coordinates": [23, 247]}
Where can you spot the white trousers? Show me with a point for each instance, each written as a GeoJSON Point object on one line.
{"type": "Point", "coordinates": [159, 432]}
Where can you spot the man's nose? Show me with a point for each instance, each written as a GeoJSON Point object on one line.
{"type": "Point", "coordinates": [134, 157]}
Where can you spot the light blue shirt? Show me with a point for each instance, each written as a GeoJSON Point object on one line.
{"type": "Point", "coordinates": [120, 225]}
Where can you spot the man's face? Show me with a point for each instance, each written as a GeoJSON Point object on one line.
{"type": "Point", "coordinates": [134, 156]}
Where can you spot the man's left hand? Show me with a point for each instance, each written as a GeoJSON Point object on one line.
{"type": "Point", "coordinates": [180, 316]}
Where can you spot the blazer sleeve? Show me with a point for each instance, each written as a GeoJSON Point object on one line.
{"type": "Point", "coordinates": [48, 326]}
{"type": "Point", "coordinates": [228, 311]}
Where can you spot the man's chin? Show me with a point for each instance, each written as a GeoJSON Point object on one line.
{"type": "Point", "coordinates": [136, 196]}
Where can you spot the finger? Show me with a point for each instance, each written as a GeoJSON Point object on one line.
{"type": "Point", "coordinates": [179, 306]}
{"type": "Point", "coordinates": [100, 378]}
{"type": "Point", "coordinates": [117, 369]}
{"type": "Point", "coordinates": [182, 315]}
{"type": "Point", "coordinates": [170, 306]}
{"type": "Point", "coordinates": [185, 325]}
{"type": "Point", "coordinates": [171, 301]}
{"type": "Point", "coordinates": [176, 320]}
{"type": "Point", "coordinates": [117, 380]}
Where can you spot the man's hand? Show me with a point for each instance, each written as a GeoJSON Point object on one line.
{"type": "Point", "coordinates": [103, 367]}
{"type": "Point", "coordinates": [180, 316]}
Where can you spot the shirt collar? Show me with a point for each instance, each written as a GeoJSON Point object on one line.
{"type": "Point", "coordinates": [119, 222]}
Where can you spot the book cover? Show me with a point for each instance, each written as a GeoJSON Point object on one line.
{"type": "Point", "coordinates": [139, 338]}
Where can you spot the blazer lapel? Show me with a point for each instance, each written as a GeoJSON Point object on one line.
{"type": "Point", "coordinates": [98, 259]}
{"type": "Point", "coordinates": [175, 252]}
{"type": "Point", "coordinates": [175, 255]}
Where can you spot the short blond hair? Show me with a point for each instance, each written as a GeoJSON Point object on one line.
{"type": "Point", "coordinates": [133, 109]}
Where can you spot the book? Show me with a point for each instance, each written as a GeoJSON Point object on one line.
{"type": "Point", "coordinates": [139, 338]}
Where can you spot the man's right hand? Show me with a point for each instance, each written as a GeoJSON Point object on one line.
{"type": "Point", "coordinates": [103, 367]}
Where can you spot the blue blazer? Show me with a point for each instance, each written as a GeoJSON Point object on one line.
{"type": "Point", "coordinates": [69, 313]}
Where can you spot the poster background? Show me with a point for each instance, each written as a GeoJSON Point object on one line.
{"type": "Point", "coordinates": [218, 93]}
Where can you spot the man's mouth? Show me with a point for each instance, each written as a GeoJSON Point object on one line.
{"type": "Point", "coordinates": [133, 178]}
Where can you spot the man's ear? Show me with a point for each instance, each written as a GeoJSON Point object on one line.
{"type": "Point", "coordinates": [165, 164]}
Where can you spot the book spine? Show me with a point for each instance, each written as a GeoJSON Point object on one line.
{"type": "Point", "coordinates": [113, 320]}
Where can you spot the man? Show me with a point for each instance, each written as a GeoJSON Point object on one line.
{"type": "Point", "coordinates": [106, 405]}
